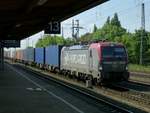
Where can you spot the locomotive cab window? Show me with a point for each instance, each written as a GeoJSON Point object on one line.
{"type": "Point", "coordinates": [113, 52]}
{"type": "Point", "coordinates": [119, 51]}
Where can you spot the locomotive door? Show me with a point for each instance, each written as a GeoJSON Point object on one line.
{"type": "Point", "coordinates": [90, 60]}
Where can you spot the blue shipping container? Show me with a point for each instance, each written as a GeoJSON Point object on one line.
{"type": "Point", "coordinates": [52, 55]}
{"type": "Point", "coordinates": [39, 55]}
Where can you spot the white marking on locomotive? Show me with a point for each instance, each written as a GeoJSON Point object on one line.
{"type": "Point", "coordinates": [75, 58]}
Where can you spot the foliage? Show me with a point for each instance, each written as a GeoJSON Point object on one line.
{"type": "Point", "coordinates": [86, 37]}
{"type": "Point", "coordinates": [139, 68]}
{"type": "Point", "coordinates": [115, 21]}
{"type": "Point", "coordinates": [50, 40]}
{"type": "Point", "coordinates": [95, 28]}
{"type": "Point", "coordinates": [69, 41]}
{"type": "Point", "coordinates": [29, 47]}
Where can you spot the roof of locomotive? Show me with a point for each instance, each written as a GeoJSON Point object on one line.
{"type": "Point", "coordinates": [76, 47]}
{"type": "Point", "coordinates": [98, 44]}
{"type": "Point", "coordinates": [106, 44]}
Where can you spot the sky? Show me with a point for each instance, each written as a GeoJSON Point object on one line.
{"type": "Point", "coordinates": [129, 13]}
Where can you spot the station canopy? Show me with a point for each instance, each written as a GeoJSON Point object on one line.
{"type": "Point", "coordinates": [22, 18]}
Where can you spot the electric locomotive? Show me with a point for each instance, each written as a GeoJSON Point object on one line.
{"type": "Point", "coordinates": [100, 62]}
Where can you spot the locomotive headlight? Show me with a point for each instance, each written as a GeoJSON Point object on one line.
{"type": "Point", "coordinates": [126, 67]}
{"type": "Point", "coordinates": [100, 68]}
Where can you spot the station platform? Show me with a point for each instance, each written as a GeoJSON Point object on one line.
{"type": "Point", "coordinates": [19, 94]}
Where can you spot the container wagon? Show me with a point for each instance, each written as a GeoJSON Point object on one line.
{"type": "Point", "coordinates": [18, 55]}
{"type": "Point", "coordinates": [52, 57]}
{"type": "Point", "coordinates": [29, 56]}
{"type": "Point", "coordinates": [40, 57]}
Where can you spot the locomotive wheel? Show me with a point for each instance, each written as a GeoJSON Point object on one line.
{"type": "Point", "coordinates": [89, 78]}
{"type": "Point", "coordinates": [100, 82]}
{"type": "Point", "coordinates": [126, 76]}
{"type": "Point", "coordinates": [94, 81]}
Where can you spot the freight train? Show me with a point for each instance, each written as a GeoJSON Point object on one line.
{"type": "Point", "coordinates": [101, 62]}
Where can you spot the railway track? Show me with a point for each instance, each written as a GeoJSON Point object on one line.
{"type": "Point", "coordinates": [137, 92]}
{"type": "Point", "coordinates": [146, 83]}
{"type": "Point", "coordinates": [119, 107]}
{"type": "Point", "coordinates": [136, 98]}
{"type": "Point", "coordinates": [132, 94]}
{"type": "Point", "coordinates": [147, 75]}
{"type": "Point", "coordinates": [142, 78]}
{"type": "Point", "coordinates": [136, 86]}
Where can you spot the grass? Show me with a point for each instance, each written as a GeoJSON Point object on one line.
{"type": "Point", "coordinates": [139, 68]}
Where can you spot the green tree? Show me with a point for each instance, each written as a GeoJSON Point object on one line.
{"type": "Point", "coordinates": [86, 37]}
{"type": "Point", "coordinates": [115, 21]}
{"type": "Point", "coordinates": [137, 39]}
{"type": "Point", "coordinates": [109, 31]}
{"type": "Point", "coordinates": [39, 43]}
{"type": "Point", "coordinates": [108, 20]}
{"type": "Point", "coordinates": [50, 40]}
{"type": "Point", "coordinates": [69, 41]}
{"type": "Point", "coordinates": [128, 40]}
{"type": "Point", "coordinates": [95, 28]}
{"type": "Point", "coordinates": [107, 23]}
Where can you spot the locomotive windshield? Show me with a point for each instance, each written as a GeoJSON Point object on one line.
{"type": "Point", "coordinates": [113, 52]}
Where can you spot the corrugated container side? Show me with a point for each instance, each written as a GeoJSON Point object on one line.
{"type": "Point", "coordinates": [52, 55]}
{"type": "Point", "coordinates": [6, 54]}
{"type": "Point", "coordinates": [25, 55]}
{"type": "Point", "coordinates": [30, 54]}
{"type": "Point", "coordinates": [21, 55]}
{"type": "Point", "coordinates": [12, 54]}
{"type": "Point", "coordinates": [14, 57]}
{"type": "Point", "coordinates": [39, 55]}
{"type": "Point", "coordinates": [18, 54]}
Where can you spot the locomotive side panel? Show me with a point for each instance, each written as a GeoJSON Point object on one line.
{"type": "Point", "coordinates": [94, 63]}
{"type": "Point", "coordinates": [75, 60]}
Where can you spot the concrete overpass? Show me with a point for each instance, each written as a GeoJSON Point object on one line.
{"type": "Point", "coordinates": [23, 18]}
